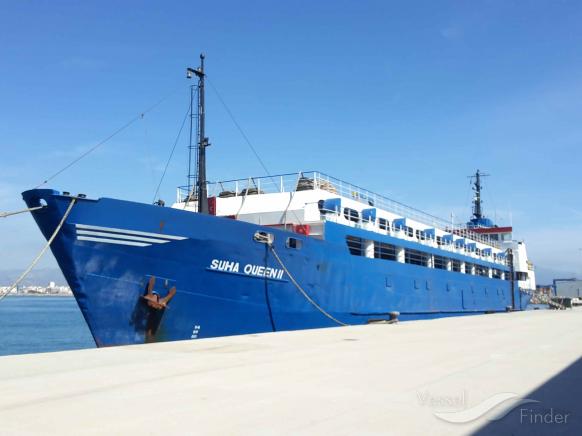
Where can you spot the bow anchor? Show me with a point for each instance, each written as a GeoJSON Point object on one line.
{"type": "Point", "coordinates": [154, 300]}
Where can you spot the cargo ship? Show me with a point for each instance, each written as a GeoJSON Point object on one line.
{"type": "Point", "coordinates": [272, 253]}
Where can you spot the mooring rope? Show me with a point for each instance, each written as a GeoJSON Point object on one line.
{"type": "Point", "coordinates": [30, 209]}
{"type": "Point", "coordinates": [302, 291]}
{"type": "Point", "coordinates": [44, 249]}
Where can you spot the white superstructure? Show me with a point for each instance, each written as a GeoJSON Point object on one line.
{"type": "Point", "coordinates": [304, 201]}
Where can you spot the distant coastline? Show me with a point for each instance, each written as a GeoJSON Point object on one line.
{"type": "Point", "coordinates": [35, 290]}
{"type": "Point", "coordinates": [40, 295]}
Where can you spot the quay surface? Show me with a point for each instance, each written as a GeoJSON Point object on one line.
{"type": "Point", "coordinates": [409, 378]}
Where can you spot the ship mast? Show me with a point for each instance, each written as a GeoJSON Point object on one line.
{"type": "Point", "coordinates": [197, 181]}
{"type": "Point", "coordinates": [477, 211]}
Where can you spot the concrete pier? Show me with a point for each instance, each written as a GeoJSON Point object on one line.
{"type": "Point", "coordinates": [446, 376]}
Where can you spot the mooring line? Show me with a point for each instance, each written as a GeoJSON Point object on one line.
{"type": "Point", "coordinates": [30, 209]}
{"type": "Point", "coordinates": [300, 289]}
{"type": "Point", "coordinates": [44, 249]}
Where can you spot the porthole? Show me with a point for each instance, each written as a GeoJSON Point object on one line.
{"type": "Point", "coordinates": [294, 243]}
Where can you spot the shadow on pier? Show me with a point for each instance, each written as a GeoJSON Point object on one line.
{"type": "Point", "coordinates": [558, 412]}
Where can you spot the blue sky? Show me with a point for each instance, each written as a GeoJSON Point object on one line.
{"type": "Point", "coordinates": [404, 98]}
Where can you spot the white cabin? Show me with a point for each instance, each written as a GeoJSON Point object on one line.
{"type": "Point", "coordinates": [304, 201]}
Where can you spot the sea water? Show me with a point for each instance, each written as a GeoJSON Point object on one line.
{"type": "Point", "coordinates": [30, 324]}
{"type": "Point", "coordinates": [40, 324]}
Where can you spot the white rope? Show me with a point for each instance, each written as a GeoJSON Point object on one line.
{"type": "Point", "coordinates": [44, 249]}
{"type": "Point", "coordinates": [300, 289]}
{"type": "Point", "coordinates": [30, 209]}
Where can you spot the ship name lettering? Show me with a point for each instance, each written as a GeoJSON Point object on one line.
{"type": "Point", "coordinates": [249, 269]}
{"type": "Point", "coordinates": [224, 265]}
{"type": "Point", "coordinates": [262, 271]}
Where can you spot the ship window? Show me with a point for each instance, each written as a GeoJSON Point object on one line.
{"type": "Point", "coordinates": [294, 243]}
{"type": "Point", "coordinates": [355, 245]}
{"type": "Point", "coordinates": [469, 268]}
{"type": "Point", "coordinates": [496, 273]}
{"type": "Point", "coordinates": [351, 215]}
{"type": "Point", "coordinates": [439, 240]}
{"type": "Point", "coordinates": [383, 224]}
{"type": "Point", "coordinates": [440, 262]}
{"type": "Point", "coordinates": [420, 235]}
{"type": "Point", "coordinates": [415, 257]}
{"type": "Point", "coordinates": [409, 231]}
{"type": "Point", "coordinates": [478, 251]}
{"type": "Point", "coordinates": [521, 275]}
{"type": "Point", "coordinates": [384, 251]}
{"type": "Point", "coordinates": [456, 265]}
{"type": "Point", "coordinates": [481, 270]}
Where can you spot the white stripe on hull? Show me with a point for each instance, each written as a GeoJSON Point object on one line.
{"type": "Point", "coordinates": [120, 236]}
{"type": "Point", "coordinates": [113, 241]}
{"type": "Point", "coordinates": [129, 232]}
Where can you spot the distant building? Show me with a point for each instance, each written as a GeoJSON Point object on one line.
{"type": "Point", "coordinates": [51, 289]}
{"type": "Point", "coordinates": [571, 288]}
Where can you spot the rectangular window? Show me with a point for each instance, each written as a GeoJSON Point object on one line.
{"type": "Point", "coordinates": [456, 265]}
{"type": "Point", "coordinates": [415, 257]}
{"type": "Point", "coordinates": [440, 262]}
{"type": "Point", "coordinates": [384, 251]}
{"type": "Point", "coordinates": [351, 215]}
{"type": "Point", "coordinates": [481, 270]}
{"type": "Point", "coordinates": [355, 245]}
{"type": "Point", "coordinates": [468, 268]}
{"type": "Point", "coordinates": [521, 275]}
{"type": "Point", "coordinates": [496, 273]}
{"type": "Point", "coordinates": [294, 243]}
{"type": "Point", "coordinates": [383, 224]}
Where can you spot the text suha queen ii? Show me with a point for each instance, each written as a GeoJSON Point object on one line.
{"type": "Point", "coordinates": [230, 266]}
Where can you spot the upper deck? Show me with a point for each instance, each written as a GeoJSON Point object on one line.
{"type": "Point", "coordinates": [332, 187]}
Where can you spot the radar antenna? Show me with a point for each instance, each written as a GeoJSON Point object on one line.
{"type": "Point", "coordinates": [477, 202]}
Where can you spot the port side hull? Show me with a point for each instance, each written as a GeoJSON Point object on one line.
{"type": "Point", "coordinates": [226, 282]}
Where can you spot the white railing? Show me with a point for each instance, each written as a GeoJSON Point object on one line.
{"type": "Point", "coordinates": [315, 180]}
{"type": "Point", "coordinates": [252, 185]}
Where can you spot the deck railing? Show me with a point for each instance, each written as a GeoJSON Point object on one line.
{"type": "Point", "coordinates": [308, 180]}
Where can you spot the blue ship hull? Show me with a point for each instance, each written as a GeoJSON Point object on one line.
{"type": "Point", "coordinates": [228, 284]}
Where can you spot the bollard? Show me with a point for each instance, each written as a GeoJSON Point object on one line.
{"type": "Point", "coordinates": [393, 317]}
